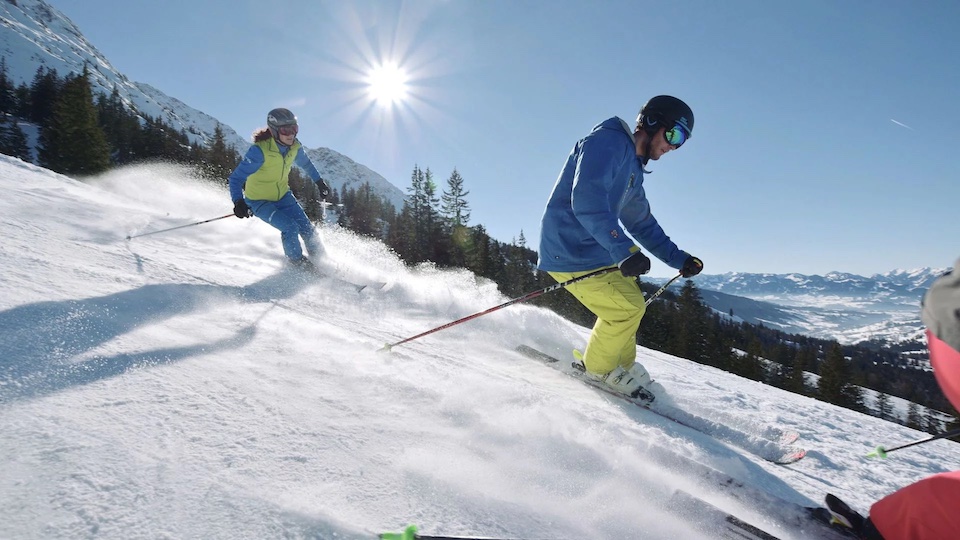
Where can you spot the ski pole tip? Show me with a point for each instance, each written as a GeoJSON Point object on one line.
{"type": "Point", "coordinates": [879, 452]}
{"type": "Point", "coordinates": [410, 533]}
{"type": "Point", "coordinates": [385, 348]}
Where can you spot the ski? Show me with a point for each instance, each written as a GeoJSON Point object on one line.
{"type": "Point", "coordinates": [773, 451]}
{"type": "Point", "coordinates": [309, 268]}
{"type": "Point", "coordinates": [713, 521]}
{"type": "Point", "coordinates": [778, 517]}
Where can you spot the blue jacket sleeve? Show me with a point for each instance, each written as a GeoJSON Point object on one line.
{"type": "Point", "coordinates": [303, 161]}
{"type": "Point", "coordinates": [248, 165]}
{"type": "Point", "coordinates": [648, 232]}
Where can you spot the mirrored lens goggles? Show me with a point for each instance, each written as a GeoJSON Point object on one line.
{"type": "Point", "coordinates": [676, 135]}
{"type": "Point", "coordinates": [289, 130]}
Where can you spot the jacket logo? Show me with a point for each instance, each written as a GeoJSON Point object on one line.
{"type": "Point", "coordinates": [614, 234]}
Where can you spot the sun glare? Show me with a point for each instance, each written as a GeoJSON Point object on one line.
{"type": "Point", "coordinates": [387, 84]}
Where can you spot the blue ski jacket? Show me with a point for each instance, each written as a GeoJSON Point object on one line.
{"type": "Point", "coordinates": [598, 203]}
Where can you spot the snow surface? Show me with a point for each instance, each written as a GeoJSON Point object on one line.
{"type": "Point", "coordinates": [189, 385]}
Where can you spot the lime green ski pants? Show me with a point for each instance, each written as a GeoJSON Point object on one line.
{"type": "Point", "coordinates": [619, 305]}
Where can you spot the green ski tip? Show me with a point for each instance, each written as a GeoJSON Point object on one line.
{"type": "Point", "coordinates": [410, 533]}
{"type": "Point", "coordinates": [878, 452]}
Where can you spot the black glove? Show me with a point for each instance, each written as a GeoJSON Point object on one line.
{"type": "Point", "coordinates": [240, 209]}
{"type": "Point", "coordinates": [691, 267]}
{"type": "Point", "coordinates": [323, 188]}
{"type": "Point", "coordinates": [635, 265]}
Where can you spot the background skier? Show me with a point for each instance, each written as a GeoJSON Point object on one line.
{"type": "Point", "coordinates": [259, 185]}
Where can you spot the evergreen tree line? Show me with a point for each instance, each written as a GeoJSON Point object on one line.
{"type": "Point", "coordinates": [81, 134]}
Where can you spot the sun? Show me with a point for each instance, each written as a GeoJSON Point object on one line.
{"type": "Point", "coordinates": [387, 84]}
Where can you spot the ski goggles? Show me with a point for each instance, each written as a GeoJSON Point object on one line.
{"type": "Point", "coordinates": [676, 135]}
{"type": "Point", "coordinates": [292, 129]}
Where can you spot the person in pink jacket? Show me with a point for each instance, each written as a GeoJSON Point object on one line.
{"type": "Point", "coordinates": [928, 509]}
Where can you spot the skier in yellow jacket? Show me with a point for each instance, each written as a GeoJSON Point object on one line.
{"type": "Point", "coordinates": [259, 185]}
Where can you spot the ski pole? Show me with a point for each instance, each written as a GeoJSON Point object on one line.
{"type": "Point", "coordinates": [661, 289]}
{"type": "Point", "coordinates": [527, 296]}
{"type": "Point", "coordinates": [410, 533]}
{"type": "Point", "coordinates": [180, 226]}
{"type": "Point", "coordinates": [882, 452]}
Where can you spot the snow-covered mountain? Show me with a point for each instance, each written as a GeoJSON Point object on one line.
{"type": "Point", "coordinates": [189, 385]}
{"type": "Point", "coordinates": [34, 34]}
{"type": "Point", "coordinates": [846, 307]}
{"type": "Point", "coordinates": [896, 289]}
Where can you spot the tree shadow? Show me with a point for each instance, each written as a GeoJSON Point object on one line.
{"type": "Point", "coordinates": [39, 342]}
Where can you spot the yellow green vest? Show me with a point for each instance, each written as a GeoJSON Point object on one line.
{"type": "Point", "coordinates": [271, 181]}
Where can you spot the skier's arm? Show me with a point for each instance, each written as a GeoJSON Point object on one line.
{"type": "Point", "coordinates": [303, 161]}
{"type": "Point", "coordinates": [641, 224]}
{"type": "Point", "coordinates": [248, 165]}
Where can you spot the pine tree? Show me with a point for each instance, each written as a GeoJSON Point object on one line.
{"type": "Point", "coordinates": [365, 212]}
{"type": "Point", "coordinates": [13, 141]}
{"type": "Point", "coordinates": [884, 408]}
{"type": "Point", "coordinates": [519, 274]}
{"type": "Point", "coordinates": [796, 382]}
{"type": "Point", "coordinates": [22, 101]}
{"type": "Point", "coordinates": [402, 236]}
{"type": "Point", "coordinates": [120, 126]}
{"type": "Point", "coordinates": [426, 236]}
{"type": "Point", "coordinates": [749, 365]}
{"type": "Point", "coordinates": [478, 253]}
{"type": "Point", "coordinates": [455, 212]}
{"type": "Point", "coordinates": [7, 96]}
{"type": "Point", "coordinates": [914, 420]}
{"type": "Point", "coordinates": [455, 208]}
{"type": "Point", "coordinates": [690, 326]}
{"type": "Point", "coordinates": [303, 189]}
{"type": "Point", "coordinates": [835, 375]}
{"type": "Point", "coordinates": [44, 95]}
{"type": "Point", "coordinates": [221, 159]}
{"type": "Point", "coordinates": [72, 142]}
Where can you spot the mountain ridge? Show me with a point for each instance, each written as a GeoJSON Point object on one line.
{"type": "Point", "coordinates": [34, 34]}
{"type": "Point", "coordinates": [838, 305]}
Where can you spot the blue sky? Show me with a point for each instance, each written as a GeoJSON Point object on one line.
{"type": "Point", "coordinates": [826, 135]}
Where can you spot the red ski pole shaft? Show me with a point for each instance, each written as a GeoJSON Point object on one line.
{"type": "Point", "coordinates": [523, 298]}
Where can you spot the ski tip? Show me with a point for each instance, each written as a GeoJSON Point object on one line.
{"type": "Point", "coordinates": [792, 456]}
{"type": "Point", "coordinates": [788, 437]}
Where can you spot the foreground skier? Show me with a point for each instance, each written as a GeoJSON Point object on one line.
{"type": "Point", "coordinates": [930, 508]}
{"type": "Point", "coordinates": [597, 204]}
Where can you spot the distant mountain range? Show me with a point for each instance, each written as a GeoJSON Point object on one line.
{"type": "Point", "coordinates": [34, 34]}
{"type": "Point", "coordinates": [846, 307]}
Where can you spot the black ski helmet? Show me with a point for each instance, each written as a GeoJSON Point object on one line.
{"type": "Point", "coordinates": [665, 111]}
{"type": "Point", "coordinates": [280, 117]}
